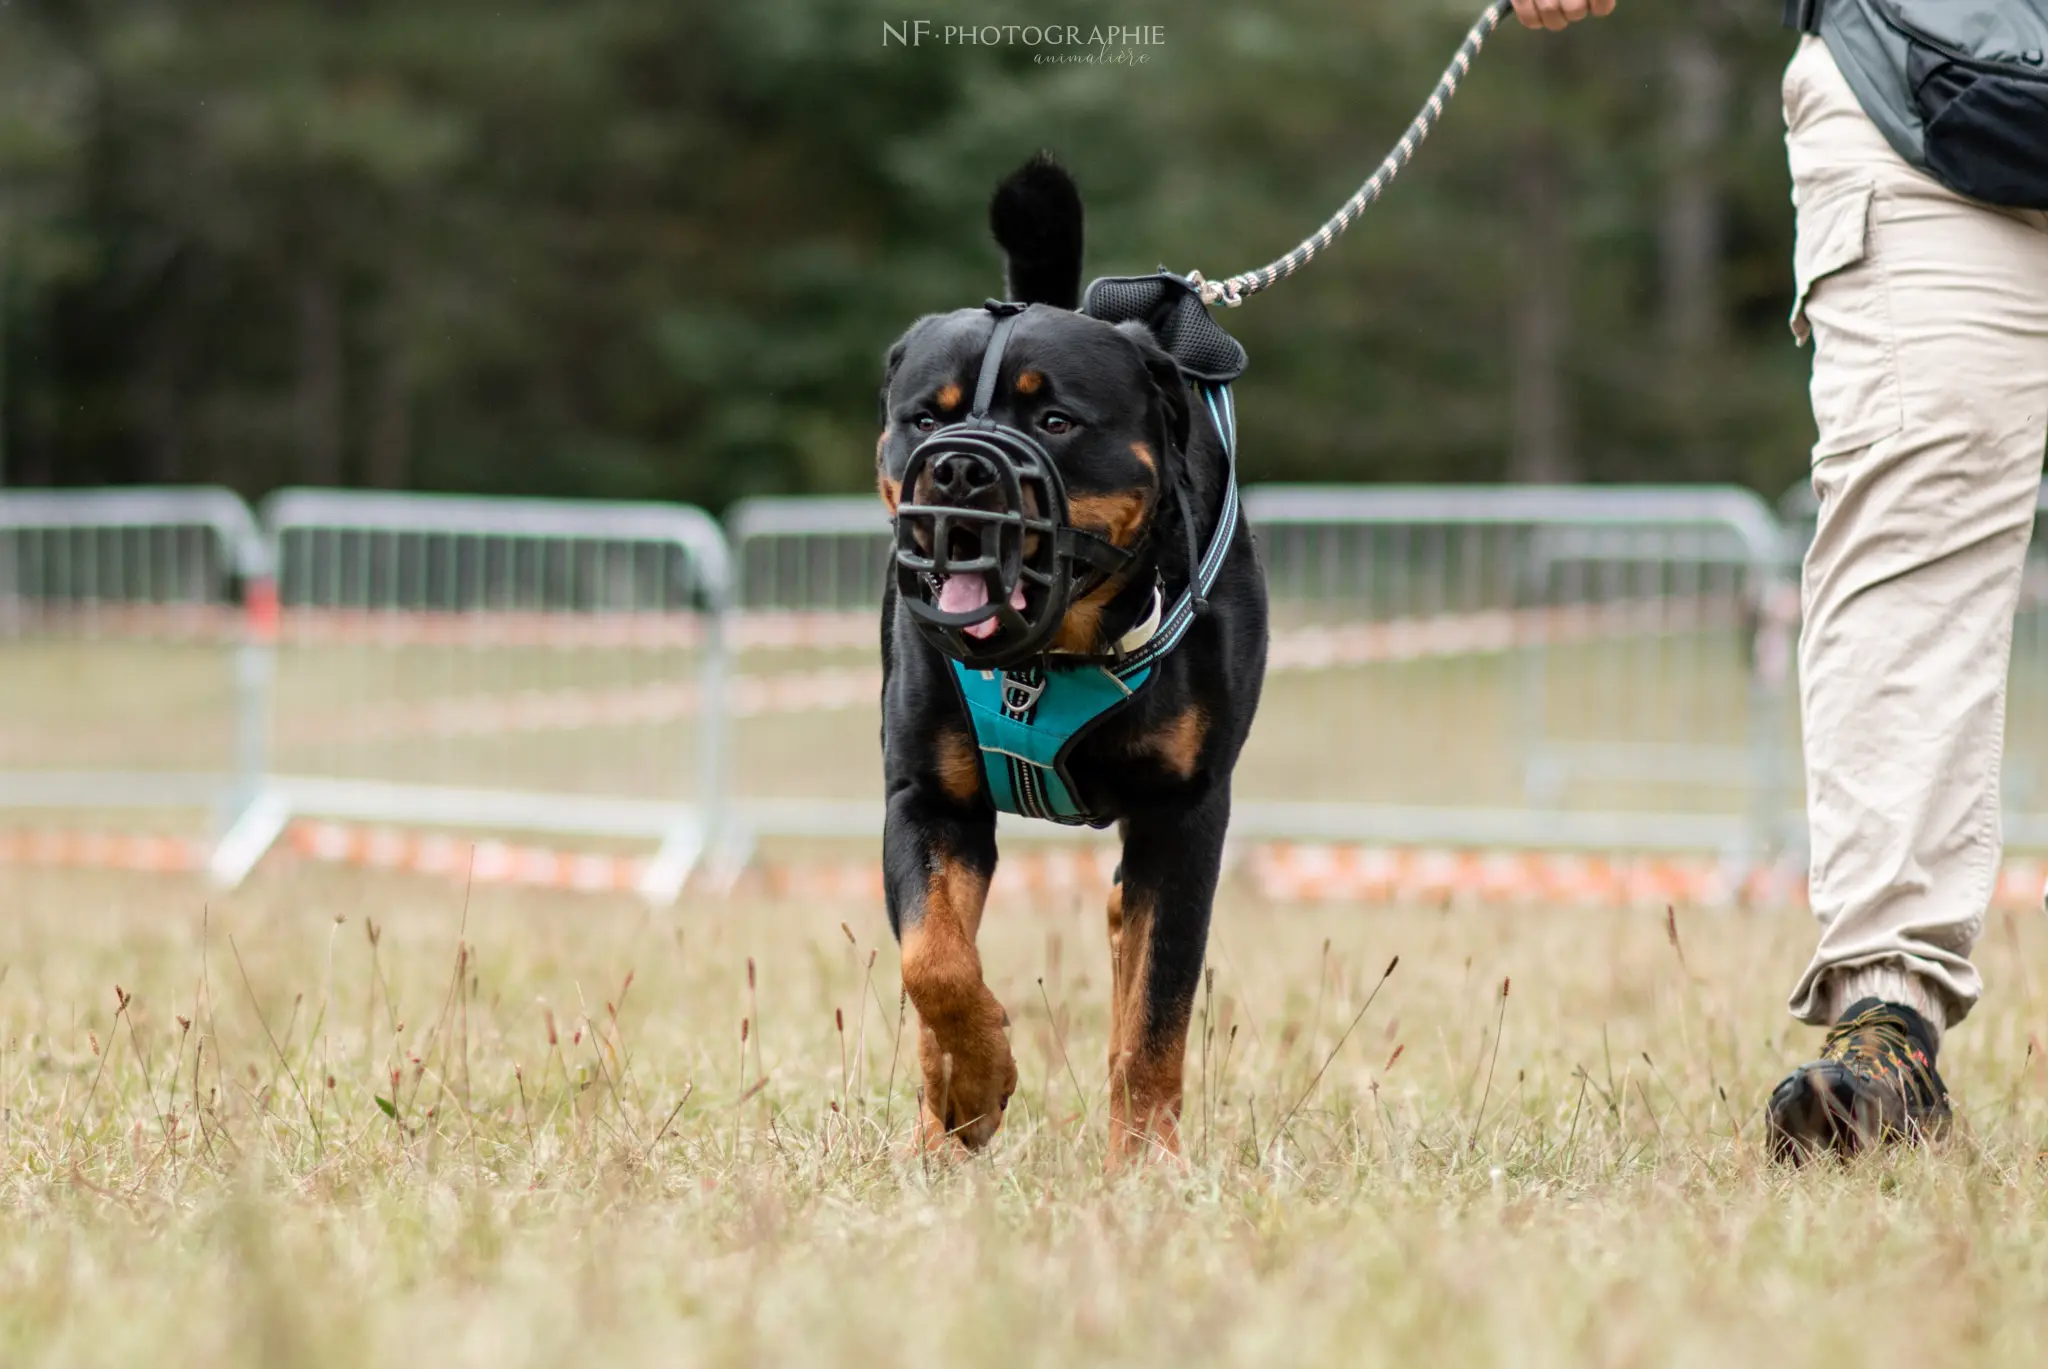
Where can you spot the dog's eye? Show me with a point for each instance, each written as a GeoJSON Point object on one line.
{"type": "Point", "coordinates": [924, 422]}
{"type": "Point", "coordinates": [1056, 422]}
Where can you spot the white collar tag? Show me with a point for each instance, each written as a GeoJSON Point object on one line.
{"type": "Point", "coordinates": [1145, 631]}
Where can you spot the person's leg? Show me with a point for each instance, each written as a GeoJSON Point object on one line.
{"type": "Point", "coordinates": [1929, 318]}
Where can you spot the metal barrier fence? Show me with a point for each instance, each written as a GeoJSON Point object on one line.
{"type": "Point", "coordinates": [810, 573]}
{"type": "Point", "coordinates": [1491, 667]}
{"type": "Point", "coordinates": [1476, 666]}
{"type": "Point", "coordinates": [1598, 668]}
{"type": "Point", "coordinates": [500, 664]}
{"type": "Point", "coordinates": [825, 554]}
{"type": "Point", "coordinates": [134, 682]}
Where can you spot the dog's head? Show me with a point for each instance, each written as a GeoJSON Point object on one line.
{"type": "Point", "coordinates": [1059, 482]}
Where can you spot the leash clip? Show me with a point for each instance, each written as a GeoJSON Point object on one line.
{"type": "Point", "coordinates": [1021, 693]}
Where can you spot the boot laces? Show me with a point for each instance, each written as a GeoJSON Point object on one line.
{"type": "Point", "coordinates": [1876, 1045]}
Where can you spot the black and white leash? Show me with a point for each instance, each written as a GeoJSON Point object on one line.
{"type": "Point", "coordinates": [1234, 290]}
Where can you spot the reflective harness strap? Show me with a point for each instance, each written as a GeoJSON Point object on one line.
{"type": "Point", "coordinates": [1026, 720]}
{"type": "Point", "coordinates": [1178, 619]}
{"type": "Point", "coordinates": [1021, 692]}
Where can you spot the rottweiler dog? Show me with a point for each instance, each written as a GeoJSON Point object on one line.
{"type": "Point", "coordinates": [1144, 466]}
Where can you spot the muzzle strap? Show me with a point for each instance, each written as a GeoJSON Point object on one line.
{"type": "Point", "coordinates": [1007, 315]}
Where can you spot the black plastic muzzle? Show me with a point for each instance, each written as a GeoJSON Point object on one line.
{"type": "Point", "coordinates": [983, 524]}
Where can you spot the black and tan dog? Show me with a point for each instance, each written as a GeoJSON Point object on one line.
{"type": "Point", "coordinates": [1132, 537]}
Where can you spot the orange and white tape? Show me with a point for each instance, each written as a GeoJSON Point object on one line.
{"type": "Point", "coordinates": [750, 631]}
{"type": "Point", "coordinates": [487, 862]}
{"type": "Point", "coordinates": [834, 689]}
{"type": "Point", "coordinates": [1287, 873]}
{"type": "Point", "coordinates": [572, 710]}
{"type": "Point", "coordinates": [102, 851]}
{"type": "Point", "coordinates": [573, 631]}
{"type": "Point", "coordinates": [1284, 872]}
{"type": "Point", "coordinates": [1278, 873]}
{"type": "Point", "coordinates": [1057, 871]}
{"type": "Point", "coordinates": [1451, 632]}
{"type": "Point", "coordinates": [824, 690]}
{"type": "Point", "coordinates": [1490, 632]}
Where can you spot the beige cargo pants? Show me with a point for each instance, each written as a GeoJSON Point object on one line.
{"type": "Point", "coordinates": [1929, 320]}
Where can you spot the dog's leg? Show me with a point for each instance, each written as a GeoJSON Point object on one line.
{"type": "Point", "coordinates": [938, 863]}
{"type": "Point", "coordinates": [1116, 961]}
{"type": "Point", "coordinates": [1158, 931]}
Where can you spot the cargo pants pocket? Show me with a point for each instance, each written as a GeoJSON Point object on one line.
{"type": "Point", "coordinates": [1843, 303]}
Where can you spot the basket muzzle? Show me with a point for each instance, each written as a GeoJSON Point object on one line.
{"type": "Point", "coordinates": [986, 559]}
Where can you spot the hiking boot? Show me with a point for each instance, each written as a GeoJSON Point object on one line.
{"type": "Point", "coordinates": [1874, 1082]}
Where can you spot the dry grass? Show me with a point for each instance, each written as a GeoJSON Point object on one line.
{"type": "Point", "coordinates": [651, 1188]}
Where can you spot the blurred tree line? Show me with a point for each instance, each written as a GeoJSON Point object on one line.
{"type": "Point", "coordinates": [629, 249]}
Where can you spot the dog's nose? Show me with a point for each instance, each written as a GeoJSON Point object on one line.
{"type": "Point", "coordinates": [961, 478]}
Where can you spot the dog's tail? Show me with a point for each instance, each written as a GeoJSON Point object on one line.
{"type": "Point", "coordinates": [1036, 217]}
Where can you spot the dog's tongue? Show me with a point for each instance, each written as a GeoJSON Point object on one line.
{"type": "Point", "coordinates": [964, 593]}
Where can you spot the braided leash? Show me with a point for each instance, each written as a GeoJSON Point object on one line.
{"type": "Point", "coordinates": [1234, 290]}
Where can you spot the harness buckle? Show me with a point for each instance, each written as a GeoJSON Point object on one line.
{"type": "Point", "coordinates": [1021, 694]}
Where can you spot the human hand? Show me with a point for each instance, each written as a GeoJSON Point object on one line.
{"type": "Point", "coordinates": [1555, 14]}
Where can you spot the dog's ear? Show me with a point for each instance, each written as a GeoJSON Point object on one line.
{"type": "Point", "coordinates": [1169, 385]}
{"type": "Point", "coordinates": [1036, 218]}
{"type": "Point", "coordinates": [895, 361]}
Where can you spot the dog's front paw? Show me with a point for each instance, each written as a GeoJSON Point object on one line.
{"type": "Point", "coordinates": [969, 1074]}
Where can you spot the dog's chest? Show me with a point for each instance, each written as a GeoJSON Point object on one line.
{"type": "Point", "coordinates": [1030, 727]}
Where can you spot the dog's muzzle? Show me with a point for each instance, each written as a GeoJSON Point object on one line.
{"type": "Point", "coordinates": [986, 560]}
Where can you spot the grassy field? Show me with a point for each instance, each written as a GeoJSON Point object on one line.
{"type": "Point", "coordinates": [550, 1130]}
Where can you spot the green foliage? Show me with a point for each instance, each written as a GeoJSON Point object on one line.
{"type": "Point", "coordinates": [622, 249]}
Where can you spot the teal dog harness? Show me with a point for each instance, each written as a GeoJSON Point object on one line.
{"type": "Point", "coordinates": [1028, 719]}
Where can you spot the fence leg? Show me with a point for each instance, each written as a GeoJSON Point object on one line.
{"type": "Point", "coordinates": [256, 816]}
{"type": "Point", "coordinates": [685, 845]}
{"type": "Point", "coordinates": [670, 869]}
{"type": "Point", "coordinates": [254, 831]}
{"type": "Point", "coordinates": [1772, 644]}
{"type": "Point", "coordinates": [1543, 778]}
